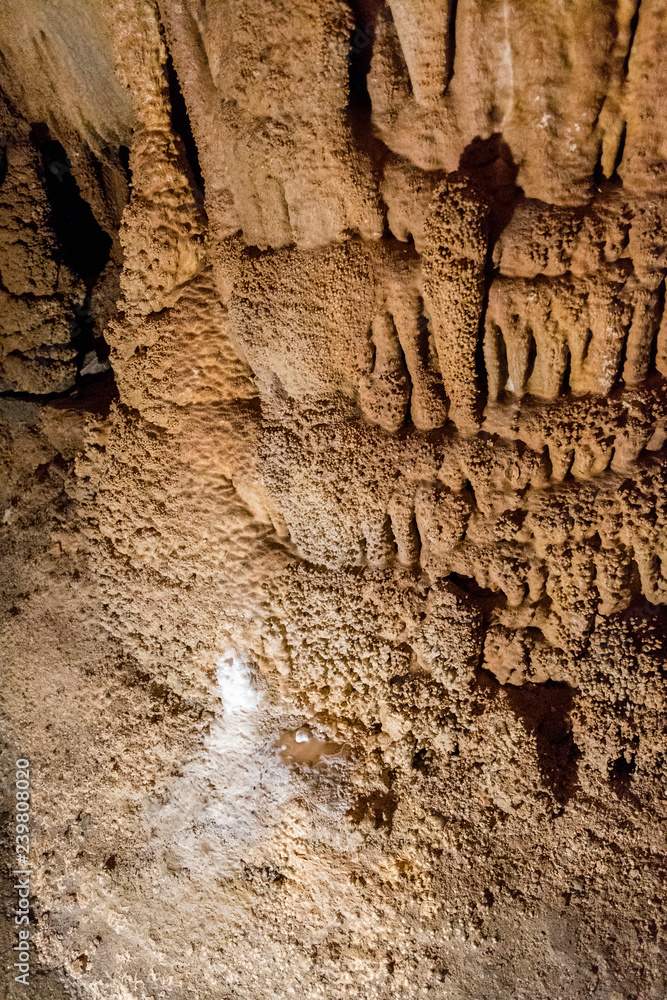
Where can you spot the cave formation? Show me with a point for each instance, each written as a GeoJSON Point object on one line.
{"type": "Point", "coordinates": [333, 409]}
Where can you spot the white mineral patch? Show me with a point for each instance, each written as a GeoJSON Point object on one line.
{"type": "Point", "coordinates": [233, 795]}
{"type": "Point", "coordinates": [235, 685]}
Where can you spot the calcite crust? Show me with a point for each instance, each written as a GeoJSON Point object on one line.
{"type": "Point", "coordinates": [333, 410]}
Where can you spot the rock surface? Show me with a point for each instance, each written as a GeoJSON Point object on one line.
{"type": "Point", "coordinates": [333, 409]}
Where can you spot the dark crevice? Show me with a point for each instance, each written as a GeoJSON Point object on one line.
{"type": "Point", "coordinates": [92, 394]}
{"type": "Point", "coordinates": [621, 771]}
{"type": "Point", "coordinates": [451, 41]}
{"type": "Point", "coordinates": [84, 246]}
{"type": "Point", "coordinates": [124, 157]}
{"type": "Point", "coordinates": [414, 541]}
{"type": "Point", "coordinates": [87, 340]}
{"type": "Point", "coordinates": [377, 807]}
{"type": "Point", "coordinates": [598, 178]}
{"type": "Point", "coordinates": [85, 249]}
{"type": "Point", "coordinates": [634, 21]}
{"type": "Point", "coordinates": [359, 61]}
{"type": "Point", "coordinates": [619, 152]}
{"type": "Point", "coordinates": [619, 381]}
{"type": "Point", "coordinates": [423, 335]}
{"type": "Point", "coordinates": [182, 126]}
{"type": "Point", "coordinates": [482, 378]}
{"type": "Point", "coordinates": [424, 761]}
{"type": "Point", "coordinates": [503, 366]}
{"type": "Point", "coordinates": [565, 380]}
{"type": "Point", "coordinates": [470, 586]}
{"type": "Point", "coordinates": [490, 166]}
{"type": "Point", "coordinates": [587, 344]}
{"type": "Point", "coordinates": [361, 50]}
{"type": "Point", "coordinates": [530, 359]}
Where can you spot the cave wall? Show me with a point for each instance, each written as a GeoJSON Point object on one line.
{"type": "Point", "coordinates": [333, 394]}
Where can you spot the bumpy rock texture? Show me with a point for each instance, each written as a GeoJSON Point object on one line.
{"type": "Point", "coordinates": [333, 379]}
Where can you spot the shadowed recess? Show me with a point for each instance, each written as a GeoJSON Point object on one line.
{"type": "Point", "coordinates": [182, 126]}
{"type": "Point", "coordinates": [84, 245]}
{"type": "Point", "coordinates": [544, 712]}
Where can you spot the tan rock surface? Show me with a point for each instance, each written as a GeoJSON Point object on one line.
{"type": "Point", "coordinates": [334, 497]}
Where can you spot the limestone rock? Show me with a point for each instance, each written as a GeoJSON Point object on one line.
{"type": "Point", "coordinates": [333, 496]}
